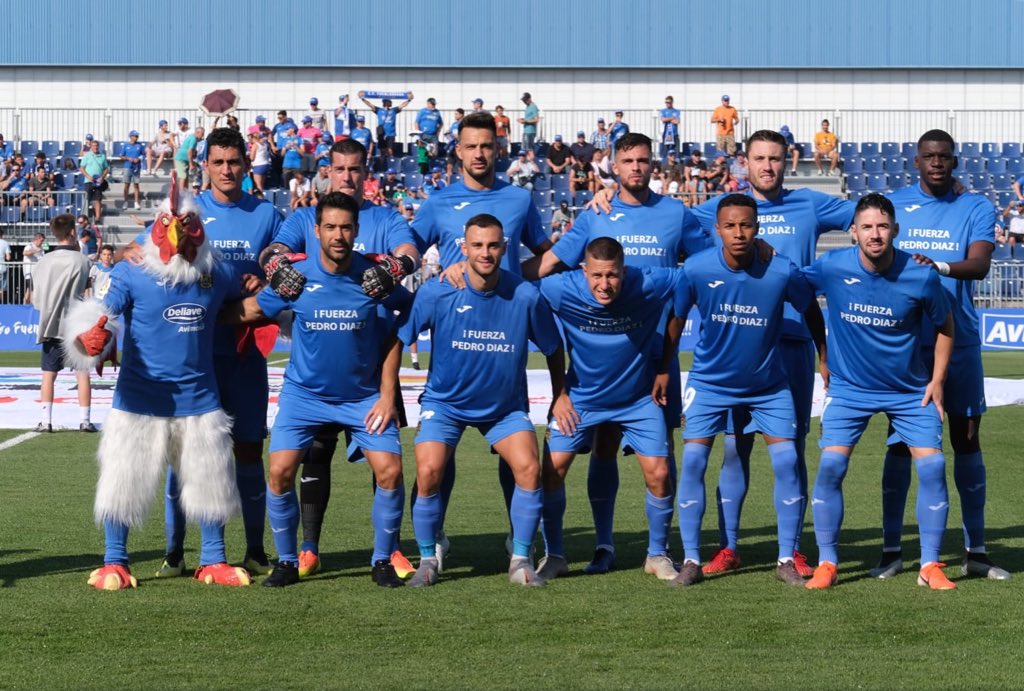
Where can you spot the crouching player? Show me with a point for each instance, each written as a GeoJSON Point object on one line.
{"type": "Point", "coordinates": [166, 409]}
{"type": "Point", "coordinates": [478, 378]}
{"type": "Point", "coordinates": [879, 301]}
{"type": "Point", "coordinates": [611, 314]}
{"type": "Point", "coordinates": [343, 371]}
{"type": "Point", "coordinates": [738, 370]}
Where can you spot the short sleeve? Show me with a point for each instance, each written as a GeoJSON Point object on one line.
{"type": "Point", "coordinates": [543, 331]}
{"type": "Point", "coordinates": [534, 235]}
{"type": "Point", "coordinates": [552, 288]}
{"type": "Point", "coordinates": [935, 301]}
{"type": "Point", "coordinates": [119, 297]}
{"type": "Point", "coordinates": [421, 316]}
{"type": "Point", "coordinates": [292, 232]}
{"type": "Point", "coordinates": [799, 291]}
{"type": "Point", "coordinates": [683, 298]}
{"type": "Point", "coordinates": [832, 213]}
{"type": "Point", "coordinates": [424, 225]}
{"type": "Point", "coordinates": [815, 275]}
{"type": "Point", "coordinates": [270, 302]}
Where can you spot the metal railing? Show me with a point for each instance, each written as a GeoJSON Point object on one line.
{"type": "Point", "coordinates": [23, 214]}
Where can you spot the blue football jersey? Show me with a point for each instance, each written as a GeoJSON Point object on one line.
{"type": "Point", "coordinates": [167, 358]}
{"type": "Point", "coordinates": [381, 230]}
{"type": "Point", "coordinates": [442, 218]}
{"type": "Point", "coordinates": [338, 333]}
{"type": "Point", "coordinates": [429, 121]}
{"type": "Point", "coordinates": [669, 130]}
{"type": "Point", "coordinates": [943, 229]}
{"type": "Point", "coordinates": [479, 344]}
{"type": "Point", "coordinates": [741, 313]}
{"type": "Point", "coordinates": [792, 225]}
{"type": "Point", "coordinates": [136, 150]}
{"type": "Point", "coordinates": [875, 320]}
{"type": "Point", "coordinates": [612, 347]}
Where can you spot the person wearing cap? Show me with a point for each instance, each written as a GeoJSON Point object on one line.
{"type": "Point", "coordinates": [791, 148]}
{"type": "Point", "coordinates": [430, 125]}
{"type": "Point", "coordinates": [478, 105]}
{"type": "Point", "coordinates": [561, 219]}
{"type": "Point", "coordinates": [502, 125]}
{"type": "Point", "coordinates": [725, 118]}
{"type": "Point", "coordinates": [309, 133]}
{"type": "Point", "coordinates": [434, 183]}
{"type": "Point", "coordinates": [601, 136]}
{"type": "Point", "coordinates": [389, 184]}
{"type": "Point", "coordinates": [317, 115]}
{"type": "Point", "coordinates": [617, 130]}
{"type": "Point", "coordinates": [183, 154]}
{"type": "Point", "coordinates": [322, 182]}
{"type": "Point", "coordinates": [673, 174]}
{"type": "Point", "coordinates": [290, 147]}
{"type": "Point", "coordinates": [696, 172]}
{"type": "Point", "coordinates": [162, 146]}
{"type": "Point", "coordinates": [362, 134]}
{"type": "Point", "coordinates": [132, 155]}
{"type": "Point", "coordinates": [260, 126]}
{"type": "Point", "coordinates": [387, 119]}
{"type": "Point", "coordinates": [95, 168]}
{"type": "Point", "coordinates": [582, 150]}
{"type": "Point", "coordinates": [559, 157]}
{"type": "Point", "coordinates": [323, 149]}
{"type": "Point", "coordinates": [86, 144]}
{"type": "Point", "coordinates": [530, 120]}
{"type": "Point", "coordinates": [344, 118]}
{"type": "Point", "coordinates": [669, 126]}
{"type": "Point", "coordinates": [523, 170]}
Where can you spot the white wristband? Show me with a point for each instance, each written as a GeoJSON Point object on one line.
{"type": "Point", "coordinates": [943, 268]}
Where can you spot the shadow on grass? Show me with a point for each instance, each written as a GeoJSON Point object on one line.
{"type": "Point", "coordinates": [57, 564]}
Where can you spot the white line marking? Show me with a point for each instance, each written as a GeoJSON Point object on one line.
{"type": "Point", "coordinates": [277, 362]}
{"type": "Point", "coordinates": [14, 441]}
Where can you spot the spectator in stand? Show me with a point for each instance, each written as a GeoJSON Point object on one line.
{"type": "Point", "coordinates": [826, 145]}
{"type": "Point", "coordinates": [196, 158]}
{"type": "Point", "coordinates": [478, 105]}
{"type": "Point", "coordinates": [434, 183]}
{"type": "Point", "coordinates": [184, 153]}
{"type": "Point", "coordinates": [282, 125]}
{"type": "Point", "coordinates": [309, 133]}
{"type": "Point", "coordinates": [277, 152]}
{"type": "Point", "coordinates": [529, 121]}
{"type": "Point", "coordinates": [656, 183]}
{"type": "Point", "coordinates": [291, 160]}
{"type": "Point", "coordinates": [739, 174]}
{"type": "Point", "coordinates": [361, 133]}
{"type": "Point", "coordinates": [389, 185]}
{"type": "Point", "coordinates": [387, 119]}
{"type": "Point", "coordinates": [580, 177]}
{"type": "Point", "coordinates": [582, 150]}
{"type": "Point", "coordinates": [372, 191]}
{"type": "Point", "coordinates": [230, 121]}
{"type": "Point", "coordinates": [5, 257]}
{"type": "Point", "coordinates": [30, 256]}
{"type": "Point", "coordinates": [522, 171]}
{"type": "Point", "coordinates": [260, 126]}
{"type": "Point", "coordinates": [430, 124]}
{"type": "Point", "coordinates": [669, 126]}
{"type": "Point", "coordinates": [85, 145]}
{"type": "Point", "coordinates": [322, 153]}
{"type": "Point", "coordinates": [1013, 217]}
{"type": "Point", "coordinates": [696, 172]}
{"type": "Point", "coordinates": [422, 156]}
{"type": "Point", "coordinates": [672, 171]}
{"type": "Point", "coordinates": [718, 176]}
{"type": "Point", "coordinates": [725, 118]}
{"type": "Point", "coordinates": [344, 119]}
{"type": "Point", "coordinates": [87, 244]}
{"type": "Point", "coordinates": [562, 218]}
{"type": "Point", "coordinates": [322, 182]}
{"type": "Point", "coordinates": [502, 125]}
{"type": "Point", "coordinates": [12, 186]}
{"type": "Point", "coordinates": [617, 130]}
{"type": "Point", "coordinates": [601, 168]}
{"type": "Point", "coordinates": [96, 169]}
{"type": "Point", "coordinates": [559, 157]}
{"type": "Point", "coordinates": [453, 144]}
{"type": "Point", "coordinates": [41, 162]}
{"type": "Point", "coordinates": [259, 154]}
{"type": "Point", "coordinates": [301, 190]}
{"type": "Point", "coordinates": [39, 191]}
{"type": "Point", "coordinates": [82, 225]}
{"type": "Point", "coordinates": [162, 146]}
{"type": "Point", "coordinates": [99, 273]}
{"type": "Point", "coordinates": [791, 148]}
{"type": "Point", "coordinates": [601, 138]}
{"type": "Point", "coordinates": [6, 150]}
{"type": "Point", "coordinates": [1017, 187]}
{"type": "Point", "coordinates": [399, 194]}
{"type": "Point", "coordinates": [132, 155]}
{"type": "Point", "coordinates": [317, 116]}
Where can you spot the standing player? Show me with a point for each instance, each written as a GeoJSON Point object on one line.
{"type": "Point", "coordinates": [880, 303]}
{"type": "Point", "coordinates": [442, 220]}
{"type": "Point", "coordinates": [333, 317]}
{"type": "Point", "coordinates": [611, 315]}
{"type": "Point", "coordinates": [791, 221]}
{"type": "Point", "coordinates": [383, 235]}
{"type": "Point", "coordinates": [738, 372]}
{"type": "Point", "coordinates": [654, 231]}
{"type": "Point", "coordinates": [954, 235]}
{"type": "Point", "coordinates": [483, 328]}
{"type": "Point", "coordinates": [239, 226]}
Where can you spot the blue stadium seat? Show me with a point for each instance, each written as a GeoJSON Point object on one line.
{"type": "Point", "coordinates": [981, 182]}
{"type": "Point", "coordinates": [51, 148]}
{"type": "Point", "coordinates": [63, 199]}
{"type": "Point", "coordinates": [969, 150]}
{"type": "Point", "coordinates": [898, 180]}
{"type": "Point", "coordinates": [691, 146]}
{"type": "Point", "coordinates": [500, 175]}
{"type": "Point", "coordinates": [37, 214]}
{"type": "Point", "coordinates": [852, 166]}
{"type": "Point", "coordinates": [117, 150]}
{"type": "Point", "coordinates": [514, 148]}
{"type": "Point", "coordinates": [541, 183]}
{"type": "Point", "coordinates": [562, 195]}
{"type": "Point", "coordinates": [456, 177]}
{"type": "Point", "coordinates": [398, 149]}
{"type": "Point", "coordinates": [890, 149]}
{"type": "Point", "coordinates": [997, 165]}
{"type": "Point", "coordinates": [409, 165]}
{"type": "Point", "coordinates": [1015, 166]}
{"type": "Point", "coordinates": [1002, 181]}
{"type": "Point", "coordinates": [806, 149]}
{"type": "Point", "coordinates": [895, 164]}
{"type": "Point", "coordinates": [542, 149]}
{"type": "Point", "coordinates": [869, 149]}
{"type": "Point", "coordinates": [909, 150]}
{"type": "Point", "coordinates": [710, 151]}
{"type": "Point", "coordinates": [991, 150]}
{"type": "Point", "coordinates": [414, 179]}
{"type": "Point", "coordinates": [972, 165]}
{"type": "Point", "coordinates": [1011, 150]}
{"type": "Point", "coordinates": [847, 149]}
{"type": "Point", "coordinates": [1002, 252]}
{"type": "Point", "coordinates": [854, 195]}
{"type": "Point", "coordinates": [541, 198]}
{"type": "Point", "coordinates": [582, 197]}
{"type": "Point", "coordinates": [878, 182]}
{"type": "Point", "coordinates": [993, 197]}
{"type": "Point", "coordinates": [559, 182]}
{"type": "Point", "coordinates": [1005, 197]}
{"type": "Point", "coordinates": [10, 214]}
{"type": "Point", "coordinates": [856, 182]}
{"type": "Point", "coordinates": [29, 147]}
{"type": "Point", "coordinates": [501, 164]}
{"type": "Point", "coordinates": [874, 165]}
{"type": "Point", "coordinates": [72, 148]}
{"type": "Point", "coordinates": [545, 215]}
{"type": "Point", "coordinates": [963, 177]}
{"type": "Point", "coordinates": [913, 176]}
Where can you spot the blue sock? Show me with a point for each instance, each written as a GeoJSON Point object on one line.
{"type": "Point", "coordinates": [732, 490]}
{"type": "Point", "coordinates": [691, 499]}
{"type": "Point", "coordinates": [659, 517]}
{"type": "Point", "coordinates": [525, 515]}
{"type": "Point", "coordinates": [386, 516]}
{"type": "Point", "coordinates": [252, 487]}
{"type": "Point", "coordinates": [115, 542]}
{"type": "Point", "coordinates": [602, 488]}
{"type": "Point", "coordinates": [801, 468]}
{"type": "Point", "coordinates": [426, 521]}
{"type": "Point", "coordinates": [932, 504]}
{"type": "Point", "coordinates": [827, 504]}
{"type": "Point", "coordinates": [174, 517]}
{"type": "Point", "coordinates": [283, 512]}
{"type": "Point", "coordinates": [211, 544]}
{"type": "Point", "coordinates": [786, 495]}
{"type": "Point", "coordinates": [969, 476]}
{"type": "Point", "coordinates": [507, 480]}
{"type": "Point", "coordinates": [551, 526]}
{"type": "Point", "coordinates": [895, 486]}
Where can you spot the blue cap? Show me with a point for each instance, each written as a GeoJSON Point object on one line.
{"type": "Point", "coordinates": [413, 188]}
{"type": "Point", "coordinates": [435, 169]}
{"type": "Point", "coordinates": [261, 118]}
{"type": "Point", "coordinates": [581, 133]}
{"type": "Point", "coordinates": [784, 129]}
{"type": "Point", "coordinates": [308, 118]}
{"type": "Point", "coordinates": [88, 137]}
{"type": "Point", "coordinates": [314, 101]}
{"type": "Point", "coordinates": [392, 171]}
{"type": "Point", "coordinates": [725, 97]}
{"type": "Point", "coordinates": [522, 152]}
{"type": "Point", "coordinates": [133, 133]}
{"type": "Point", "coordinates": [182, 121]}
{"type": "Point", "coordinates": [558, 137]}
{"type": "Point", "coordinates": [601, 120]}
{"type": "Point", "coordinates": [163, 122]}
{"type": "Point", "coordinates": [342, 97]}
{"type": "Point", "coordinates": [478, 100]}
{"type": "Point", "coordinates": [360, 118]}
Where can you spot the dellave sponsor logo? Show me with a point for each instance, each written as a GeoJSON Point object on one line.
{"type": "Point", "coordinates": [1003, 330]}
{"type": "Point", "coordinates": [185, 313]}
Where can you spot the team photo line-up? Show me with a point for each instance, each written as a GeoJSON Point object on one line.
{"type": "Point", "coordinates": [197, 296]}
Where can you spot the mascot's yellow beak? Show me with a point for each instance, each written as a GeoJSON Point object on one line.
{"type": "Point", "coordinates": [174, 232]}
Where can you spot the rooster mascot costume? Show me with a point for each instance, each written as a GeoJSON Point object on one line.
{"type": "Point", "coordinates": [166, 407]}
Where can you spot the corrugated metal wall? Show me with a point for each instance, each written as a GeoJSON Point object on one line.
{"type": "Point", "coordinates": [541, 33]}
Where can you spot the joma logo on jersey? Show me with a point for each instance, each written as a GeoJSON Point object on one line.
{"type": "Point", "coordinates": [185, 313]}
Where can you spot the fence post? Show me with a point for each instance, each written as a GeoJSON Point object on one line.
{"type": "Point", "coordinates": [746, 126]}
{"type": "Point", "coordinates": [951, 124]}
{"type": "Point", "coordinates": [108, 128]}
{"type": "Point", "coordinates": [17, 130]}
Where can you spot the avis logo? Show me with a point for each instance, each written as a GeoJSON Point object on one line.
{"type": "Point", "coordinates": [185, 313]}
{"type": "Point", "coordinates": [1003, 330]}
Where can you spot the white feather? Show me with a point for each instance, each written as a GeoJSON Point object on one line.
{"type": "Point", "coordinates": [132, 455]}
{"type": "Point", "coordinates": [206, 467]}
{"type": "Point", "coordinates": [81, 316]}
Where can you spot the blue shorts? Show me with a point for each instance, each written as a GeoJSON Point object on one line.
{"type": "Point", "coordinates": [437, 424]}
{"type": "Point", "coordinates": [798, 360]}
{"type": "Point", "coordinates": [846, 415]}
{"type": "Point", "coordinates": [642, 424]}
{"type": "Point", "coordinates": [964, 393]}
{"type": "Point", "coordinates": [299, 418]}
{"type": "Point", "coordinates": [708, 413]}
{"type": "Point", "coordinates": [244, 391]}
{"type": "Point", "coordinates": [261, 170]}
